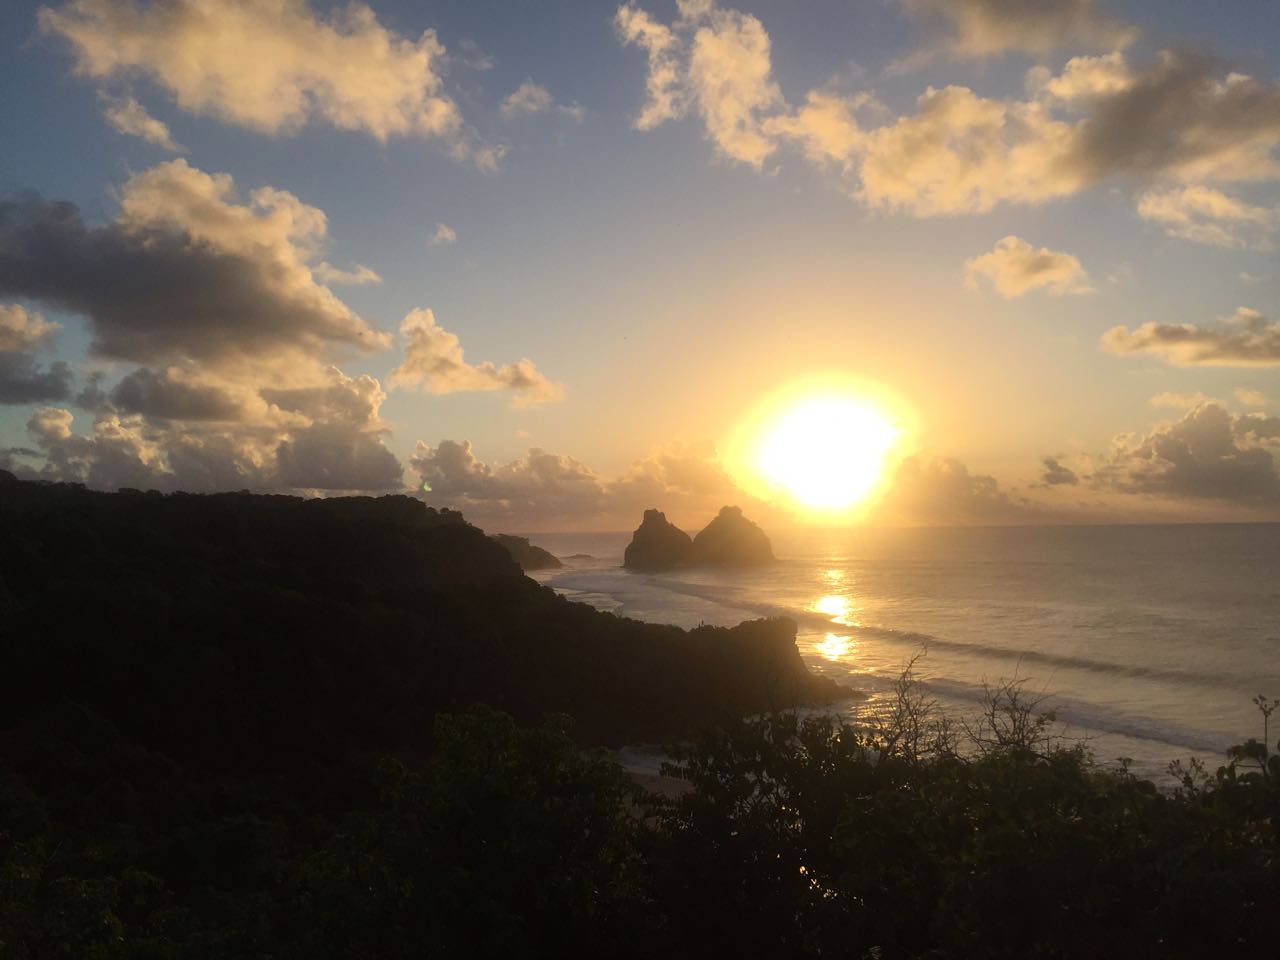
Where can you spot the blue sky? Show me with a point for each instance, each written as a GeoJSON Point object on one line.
{"type": "Point", "coordinates": [988, 194]}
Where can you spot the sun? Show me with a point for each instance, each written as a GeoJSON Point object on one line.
{"type": "Point", "coordinates": [824, 451]}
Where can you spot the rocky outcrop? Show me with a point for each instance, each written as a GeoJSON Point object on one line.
{"type": "Point", "coordinates": [526, 554]}
{"type": "Point", "coordinates": [731, 540]}
{"type": "Point", "coordinates": [657, 544]}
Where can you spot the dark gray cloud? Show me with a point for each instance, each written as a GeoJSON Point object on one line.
{"type": "Point", "coordinates": [157, 296]}
{"type": "Point", "coordinates": [1246, 339]}
{"type": "Point", "coordinates": [1208, 454]}
{"type": "Point", "coordinates": [162, 394]}
{"type": "Point", "coordinates": [1181, 113]}
{"type": "Point", "coordinates": [24, 380]}
{"type": "Point", "coordinates": [1055, 474]}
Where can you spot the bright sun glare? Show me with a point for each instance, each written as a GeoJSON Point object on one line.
{"type": "Point", "coordinates": [825, 452]}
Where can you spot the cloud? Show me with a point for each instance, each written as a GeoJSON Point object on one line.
{"type": "Point", "coordinates": [714, 61]}
{"type": "Point", "coordinates": [1245, 339]}
{"type": "Point", "coordinates": [341, 446]}
{"type": "Point", "coordinates": [21, 330]}
{"type": "Point", "coordinates": [130, 117]}
{"type": "Point", "coordinates": [360, 275]}
{"type": "Point", "coordinates": [270, 65]}
{"type": "Point", "coordinates": [531, 98]}
{"type": "Point", "coordinates": [116, 454]}
{"type": "Point", "coordinates": [444, 236]}
{"type": "Point", "coordinates": [1055, 474]}
{"type": "Point", "coordinates": [1251, 397]}
{"type": "Point", "coordinates": [174, 394]}
{"type": "Point", "coordinates": [1205, 215]}
{"type": "Point", "coordinates": [1014, 268]}
{"type": "Point", "coordinates": [975, 29]}
{"type": "Point", "coordinates": [961, 153]}
{"type": "Point", "coordinates": [1180, 117]}
{"type": "Point", "coordinates": [434, 360]}
{"type": "Point", "coordinates": [225, 282]}
{"type": "Point", "coordinates": [544, 490]}
{"type": "Point", "coordinates": [552, 491]}
{"type": "Point", "coordinates": [215, 299]}
{"type": "Point", "coordinates": [1208, 454]}
{"type": "Point", "coordinates": [1177, 119]}
{"type": "Point", "coordinates": [664, 84]}
{"type": "Point", "coordinates": [22, 379]}
{"type": "Point", "coordinates": [730, 78]}
{"type": "Point", "coordinates": [943, 491]}
{"type": "Point", "coordinates": [1179, 401]}
{"type": "Point", "coordinates": [165, 434]}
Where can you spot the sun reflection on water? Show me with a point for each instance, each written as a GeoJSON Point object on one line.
{"type": "Point", "coordinates": [838, 608]}
{"type": "Point", "coordinates": [835, 646]}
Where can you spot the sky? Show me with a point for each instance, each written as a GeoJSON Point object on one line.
{"type": "Point", "coordinates": [547, 259]}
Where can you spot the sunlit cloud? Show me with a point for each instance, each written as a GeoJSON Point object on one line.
{"type": "Point", "coordinates": [433, 360]}
{"type": "Point", "coordinates": [231, 327]}
{"type": "Point", "coordinates": [546, 490]}
{"type": "Point", "coordinates": [23, 379]}
{"type": "Point", "coordinates": [975, 29]}
{"type": "Point", "coordinates": [357, 276]}
{"type": "Point", "coordinates": [1251, 397]}
{"type": "Point", "coordinates": [664, 81]}
{"type": "Point", "coordinates": [530, 99]}
{"type": "Point", "coordinates": [1208, 454]}
{"type": "Point", "coordinates": [1014, 268]}
{"type": "Point", "coordinates": [1245, 339]}
{"type": "Point", "coordinates": [346, 70]}
{"type": "Point", "coordinates": [1205, 215]}
{"type": "Point", "coordinates": [1179, 401]}
{"type": "Point", "coordinates": [444, 236]}
{"type": "Point", "coordinates": [715, 61]}
{"type": "Point", "coordinates": [129, 117]}
{"type": "Point", "coordinates": [21, 329]}
{"type": "Point", "coordinates": [1176, 118]}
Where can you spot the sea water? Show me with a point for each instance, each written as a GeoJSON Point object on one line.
{"type": "Point", "coordinates": [1147, 642]}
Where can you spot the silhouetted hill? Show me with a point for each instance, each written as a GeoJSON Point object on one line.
{"type": "Point", "coordinates": [237, 628]}
{"type": "Point", "coordinates": [529, 556]}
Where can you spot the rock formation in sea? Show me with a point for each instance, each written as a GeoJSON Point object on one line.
{"type": "Point", "coordinates": [657, 544]}
{"type": "Point", "coordinates": [523, 552]}
{"type": "Point", "coordinates": [731, 540]}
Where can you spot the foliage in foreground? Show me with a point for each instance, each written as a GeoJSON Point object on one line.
{"type": "Point", "coordinates": [796, 838]}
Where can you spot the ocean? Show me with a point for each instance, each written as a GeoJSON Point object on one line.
{"type": "Point", "coordinates": [1147, 642]}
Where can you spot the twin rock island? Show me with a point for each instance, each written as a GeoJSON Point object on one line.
{"type": "Point", "coordinates": [730, 540]}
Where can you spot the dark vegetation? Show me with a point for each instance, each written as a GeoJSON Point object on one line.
{"type": "Point", "coordinates": [238, 726]}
